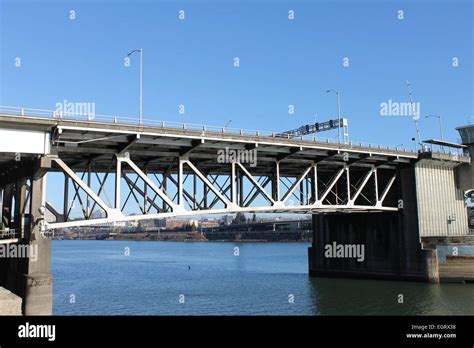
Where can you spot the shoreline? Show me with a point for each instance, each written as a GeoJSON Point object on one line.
{"type": "Point", "coordinates": [243, 236]}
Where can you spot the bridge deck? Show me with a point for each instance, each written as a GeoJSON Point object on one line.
{"type": "Point", "coordinates": [78, 142]}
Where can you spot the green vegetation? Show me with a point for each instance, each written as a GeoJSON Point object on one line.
{"type": "Point", "coordinates": [239, 218]}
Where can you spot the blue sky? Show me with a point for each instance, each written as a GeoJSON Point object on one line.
{"type": "Point", "coordinates": [282, 61]}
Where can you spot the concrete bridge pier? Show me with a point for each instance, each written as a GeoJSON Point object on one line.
{"type": "Point", "coordinates": [36, 285]}
{"type": "Point", "coordinates": [389, 252]}
{"type": "Point", "coordinates": [29, 277]}
{"type": "Point", "coordinates": [391, 241]}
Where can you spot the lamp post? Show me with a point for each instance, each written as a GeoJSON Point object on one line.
{"type": "Point", "coordinates": [338, 114]}
{"type": "Point", "coordinates": [224, 129]}
{"type": "Point", "coordinates": [140, 101]}
{"type": "Point", "coordinates": [440, 125]}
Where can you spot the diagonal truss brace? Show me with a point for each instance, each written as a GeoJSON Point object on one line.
{"type": "Point", "coordinates": [228, 203]}
{"type": "Point", "coordinates": [150, 183]}
{"type": "Point", "coordinates": [111, 213]}
{"type": "Point", "coordinates": [385, 191]}
{"type": "Point", "coordinates": [361, 187]}
{"type": "Point", "coordinates": [329, 187]}
{"type": "Point", "coordinates": [255, 182]}
{"type": "Point", "coordinates": [296, 183]}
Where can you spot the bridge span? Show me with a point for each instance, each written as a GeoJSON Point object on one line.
{"type": "Point", "coordinates": [386, 198]}
{"type": "Point", "coordinates": [181, 169]}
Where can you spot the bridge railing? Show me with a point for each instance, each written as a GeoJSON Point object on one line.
{"type": "Point", "coordinates": [9, 234]}
{"type": "Point", "coordinates": [93, 117]}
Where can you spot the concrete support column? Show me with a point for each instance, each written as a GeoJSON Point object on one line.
{"type": "Point", "coordinates": [37, 279]}
{"type": "Point", "coordinates": [432, 265]}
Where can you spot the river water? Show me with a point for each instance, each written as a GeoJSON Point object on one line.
{"type": "Point", "coordinates": [173, 278]}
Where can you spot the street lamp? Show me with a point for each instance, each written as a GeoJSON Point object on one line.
{"type": "Point", "coordinates": [440, 127]}
{"type": "Point", "coordinates": [338, 114]}
{"type": "Point", "coordinates": [440, 124]}
{"type": "Point", "coordinates": [227, 124]}
{"type": "Point", "coordinates": [141, 59]}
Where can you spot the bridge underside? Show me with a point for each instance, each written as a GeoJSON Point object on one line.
{"type": "Point", "coordinates": [163, 174]}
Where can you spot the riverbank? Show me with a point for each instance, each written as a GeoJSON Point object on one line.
{"type": "Point", "coordinates": [163, 237]}
{"type": "Point", "coordinates": [195, 236]}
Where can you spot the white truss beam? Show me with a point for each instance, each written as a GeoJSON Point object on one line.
{"type": "Point", "coordinates": [255, 182]}
{"type": "Point", "coordinates": [150, 183]}
{"type": "Point", "coordinates": [234, 202]}
{"type": "Point", "coordinates": [385, 191]}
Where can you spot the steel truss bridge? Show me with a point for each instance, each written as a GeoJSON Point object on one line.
{"type": "Point", "coordinates": [167, 169]}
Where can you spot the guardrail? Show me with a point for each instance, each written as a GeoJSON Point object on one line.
{"type": "Point", "coordinates": [120, 120]}
{"type": "Point", "coordinates": [9, 234]}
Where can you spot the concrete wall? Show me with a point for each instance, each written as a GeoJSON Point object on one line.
{"type": "Point", "coordinates": [438, 197]}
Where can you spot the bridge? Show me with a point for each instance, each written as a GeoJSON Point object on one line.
{"type": "Point", "coordinates": [391, 199]}
{"type": "Point", "coordinates": [180, 173]}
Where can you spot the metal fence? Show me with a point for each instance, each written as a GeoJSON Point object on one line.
{"type": "Point", "coordinates": [9, 234]}
{"type": "Point", "coordinates": [120, 120]}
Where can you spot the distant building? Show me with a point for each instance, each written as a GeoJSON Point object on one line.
{"type": "Point", "coordinates": [228, 219]}
{"type": "Point", "coordinates": [160, 222]}
{"type": "Point", "coordinates": [173, 224]}
{"type": "Point", "coordinates": [133, 223]}
{"type": "Point", "coordinates": [147, 223]}
{"type": "Point", "coordinates": [209, 223]}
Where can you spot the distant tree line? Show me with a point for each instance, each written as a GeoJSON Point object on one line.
{"type": "Point", "coordinates": [240, 218]}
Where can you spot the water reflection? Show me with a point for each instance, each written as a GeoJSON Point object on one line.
{"type": "Point", "coordinates": [381, 297]}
